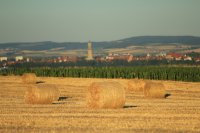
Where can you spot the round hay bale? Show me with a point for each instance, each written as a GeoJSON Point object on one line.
{"type": "Point", "coordinates": [136, 85]}
{"type": "Point", "coordinates": [154, 90]}
{"type": "Point", "coordinates": [29, 78]}
{"type": "Point", "coordinates": [41, 94]}
{"type": "Point", "coordinates": [106, 95]}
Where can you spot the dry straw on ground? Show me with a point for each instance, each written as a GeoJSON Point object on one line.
{"type": "Point", "coordinates": [29, 78]}
{"type": "Point", "coordinates": [41, 94]}
{"type": "Point", "coordinates": [136, 85]}
{"type": "Point", "coordinates": [154, 90]}
{"type": "Point", "coordinates": [106, 95]}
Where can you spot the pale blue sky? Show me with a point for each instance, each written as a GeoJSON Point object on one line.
{"type": "Point", "coordinates": [96, 20]}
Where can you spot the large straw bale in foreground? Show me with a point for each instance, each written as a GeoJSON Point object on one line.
{"type": "Point", "coordinates": [106, 95]}
{"type": "Point", "coordinates": [41, 94]}
{"type": "Point", "coordinates": [29, 78]}
{"type": "Point", "coordinates": [154, 90]}
{"type": "Point", "coordinates": [136, 85]}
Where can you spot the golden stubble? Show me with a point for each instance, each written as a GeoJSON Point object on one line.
{"type": "Point", "coordinates": [179, 112]}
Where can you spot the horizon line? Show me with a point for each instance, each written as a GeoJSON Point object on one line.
{"type": "Point", "coordinates": [99, 41]}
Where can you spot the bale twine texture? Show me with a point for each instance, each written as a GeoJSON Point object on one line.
{"type": "Point", "coordinates": [29, 78]}
{"type": "Point", "coordinates": [136, 85]}
{"type": "Point", "coordinates": [106, 95]}
{"type": "Point", "coordinates": [41, 94]}
{"type": "Point", "coordinates": [154, 90]}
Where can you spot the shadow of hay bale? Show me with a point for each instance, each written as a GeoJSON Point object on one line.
{"type": "Point", "coordinates": [63, 98]}
{"type": "Point", "coordinates": [40, 82]}
{"type": "Point", "coordinates": [167, 95]}
{"type": "Point", "coordinates": [129, 106]}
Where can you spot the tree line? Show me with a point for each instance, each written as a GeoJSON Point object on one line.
{"type": "Point", "coordinates": [114, 63]}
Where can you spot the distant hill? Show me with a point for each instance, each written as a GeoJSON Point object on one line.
{"type": "Point", "coordinates": [149, 40]}
{"type": "Point", "coordinates": [163, 39]}
{"type": "Point", "coordinates": [137, 41]}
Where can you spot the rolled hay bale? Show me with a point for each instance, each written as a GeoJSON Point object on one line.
{"type": "Point", "coordinates": [106, 95]}
{"type": "Point", "coordinates": [41, 94]}
{"type": "Point", "coordinates": [136, 85]}
{"type": "Point", "coordinates": [154, 90]}
{"type": "Point", "coordinates": [29, 78]}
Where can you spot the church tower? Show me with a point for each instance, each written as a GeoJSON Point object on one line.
{"type": "Point", "coordinates": [90, 51]}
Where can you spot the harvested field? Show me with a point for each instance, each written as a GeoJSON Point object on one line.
{"type": "Point", "coordinates": [179, 112]}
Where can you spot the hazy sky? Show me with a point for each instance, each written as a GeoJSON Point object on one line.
{"type": "Point", "coordinates": [96, 20]}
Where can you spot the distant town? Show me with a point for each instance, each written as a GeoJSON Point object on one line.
{"type": "Point", "coordinates": [171, 56]}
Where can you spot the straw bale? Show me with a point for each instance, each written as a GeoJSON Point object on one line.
{"type": "Point", "coordinates": [136, 85]}
{"type": "Point", "coordinates": [29, 78]}
{"type": "Point", "coordinates": [41, 94]}
{"type": "Point", "coordinates": [106, 95]}
{"type": "Point", "coordinates": [154, 90]}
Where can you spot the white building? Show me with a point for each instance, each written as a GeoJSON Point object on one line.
{"type": "Point", "coordinates": [187, 58]}
{"type": "Point", "coordinates": [19, 58]}
{"type": "Point", "coordinates": [3, 59]}
{"type": "Point", "coordinates": [162, 54]}
{"type": "Point", "coordinates": [27, 60]}
{"type": "Point", "coordinates": [148, 55]}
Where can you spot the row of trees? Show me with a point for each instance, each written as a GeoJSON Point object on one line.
{"type": "Point", "coordinates": [145, 72]}
{"type": "Point", "coordinates": [94, 63]}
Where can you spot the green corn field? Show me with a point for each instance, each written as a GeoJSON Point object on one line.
{"type": "Point", "coordinates": [191, 74]}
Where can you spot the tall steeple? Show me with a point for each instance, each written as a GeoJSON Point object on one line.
{"type": "Point", "coordinates": [90, 51]}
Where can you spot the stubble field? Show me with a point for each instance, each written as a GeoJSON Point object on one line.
{"type": "Point", "coordinates": [180, 112]}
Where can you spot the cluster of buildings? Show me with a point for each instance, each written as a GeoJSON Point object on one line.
{"type": "Point", "coordinates": [63, 59]}
{"type": "Point", "coordinates": [13, 60]}
{"type": "Point", "coordinates": [110, 57]}
{"type": "Point", "coordinates": [129, 57]}
{"type": "Point", "coordinates": [16, 59]}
